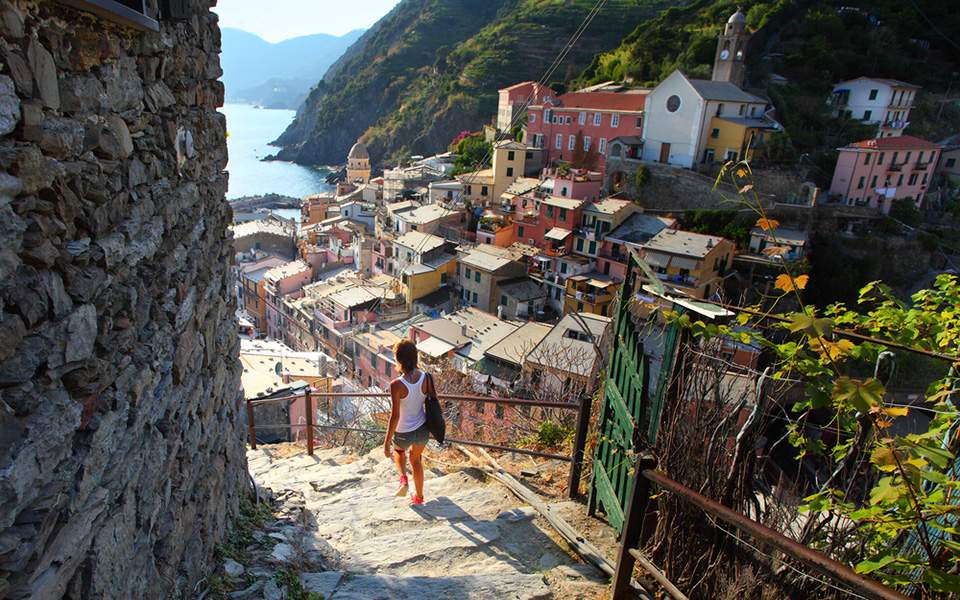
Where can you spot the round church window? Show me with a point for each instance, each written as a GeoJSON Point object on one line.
{"type": "Point", "coordinates": [673, 103]}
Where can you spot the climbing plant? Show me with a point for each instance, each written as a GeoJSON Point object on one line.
{"type": "Point", "coordinates": [886, 496]}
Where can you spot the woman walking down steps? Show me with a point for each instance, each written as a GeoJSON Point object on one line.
{"type": "Point", "coordinates": [407, 429]}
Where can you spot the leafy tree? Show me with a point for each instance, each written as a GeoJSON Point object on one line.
{"type": "Point", "coordinates": [642, 176]}
{"type": "Point", "coordinates": [888, 502]}
{"type": "Point", "coordinates": [473, 152]}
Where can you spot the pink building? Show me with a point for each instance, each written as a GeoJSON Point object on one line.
{"type": "Point", "coordinates": [547, 222]}
{"type": "Point", "coordinates": [878, 171]}
{"type": "Point", "coordinates": [514, 99]}
{"type": "Point", "coordinates": [599, 114]}
{"type": "Point", "coordinates": [578, 184]}
{"type": "Point", "coordinates": [285, 280]}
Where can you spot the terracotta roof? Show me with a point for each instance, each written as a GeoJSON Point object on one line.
{"type": "Point", "coordinates": [903, 142]}
{"type": "Point", "coordinates": [632, 100]}
{"type": "Point", "coordinates": [516, 85]}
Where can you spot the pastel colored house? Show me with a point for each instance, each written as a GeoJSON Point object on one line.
{"type": "Point", "coordinates": [479, 272]}
{"type": "Point", "coordinates": [590, 293]}
{"type": "Point", "coordinates": [693, 263]}
{"type": "Point", "coordinates": [374, 363]}
{"type": "Point", "coordinates": [598, 114]}
{"type": "Point", "coordinates": [513, 101]}
{"type": "Point", "coordinates": [427, 219]}
{"type": "Point", "coordinates": [495, 229]}
{"type": "Point", "coordinates": [633, 232]}
{"type": "Point", "coordinates": [535, 217]}
{"type": "Point", "coordinates": [253, 291]}
{"type": "Point", "coordinates": [579, 184]}
{"type": "Point", "coordinates": [693, 121]}
{"type": "Point", "coordinates": [566, 359]}
{"type": "Point", "coordinates": [885, 103]}
{"type": "Point", "coordinates": [599, 219]}
{"type": "Point", "coordinates": [877, 171]}
{"type": "Point", "coordinates": [283, 280]}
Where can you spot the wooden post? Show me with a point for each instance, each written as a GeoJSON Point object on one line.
{"type": "Point", "coordinates": [579, 446]}
{"type": "Point", "coordinates": [309, 406]}
{"type": "Point", "coordinates": [632, 528]}
{"type": "Point", "coordinates": [251, 426]}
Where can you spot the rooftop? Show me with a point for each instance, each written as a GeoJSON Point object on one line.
{"type": "Point", "coordinates": [789, 236]}
{"type": "Point", "coordinates": [685, 243]}
{"type": "Point", "coordinates": [420, 242]}
{"type": "Point", "coordinates": [902, 142]}
{"type": "Point", "coordinates": [395, 207]}
{"type": "Point", "coordinates": [521, 186]}
{"type": "Point", "coordinates": [568, 346]}
{"type": "Point", "coordinates": [608, 206]}
{"type": "Point", "coordinates": [522, 289]}
{"type": "Point", "coordinates": [268, 226]}
{"type": "Point", "coordinates": [485, 261]}
{"type": "Point", "coordinates": [638, 228]}
{"type": "Point", "coordinates": [723, 90]}
{"type": "Point", "coordinates": [516, 345]}
{"type": "Point", "coordinates": [286, 270]}
{"type": "Point", "coordinates": [256, 269]}
{"type": "Point", "coordinates": [567, 203]}
{"type": "Point", "coordinates": [426, 214]}
{"type": "Point", "coordinates": [755, 123]}
{"type": "Point", "coordinates": [890, 82]}
{"type": "Point", "coordinates": [624, 100]}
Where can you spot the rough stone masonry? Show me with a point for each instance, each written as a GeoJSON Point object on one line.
{"type": "Point", "coordinates": [121, 455]}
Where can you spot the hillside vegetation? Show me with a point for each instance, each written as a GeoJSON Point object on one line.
{"type": "Point", "coordinates": [813, 44]}
{"type": "Point", "coordinates": [431, 69]}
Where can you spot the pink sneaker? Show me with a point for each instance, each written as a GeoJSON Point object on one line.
{"type": "Point", "coordinates": [416, 500]}
{"type": "Point", "coordinates": [404, 487]}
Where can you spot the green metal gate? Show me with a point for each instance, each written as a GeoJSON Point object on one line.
{"type": "Point", "coordinates": [620, 418]}
{"type": "Point", "coordinates": [631, 402]}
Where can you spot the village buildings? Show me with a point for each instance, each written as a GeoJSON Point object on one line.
{"type": "Point", "coordinates": [879, 171]}
{"type": "Point", "coordinates": [884, 103]}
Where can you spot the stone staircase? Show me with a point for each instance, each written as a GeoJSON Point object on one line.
{"type": "Point", "coordinates": [471, 539]}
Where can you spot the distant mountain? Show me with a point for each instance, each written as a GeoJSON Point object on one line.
{"type": "Point", "coordinates": [430, 69]}
{"type": "Point", "coordinates": [277, 75]}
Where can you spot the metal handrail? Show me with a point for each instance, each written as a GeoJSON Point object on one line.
{"type": "Point", "coordinates": [632, 537]}
{"type": "Point", "coordinates": [575, 458]}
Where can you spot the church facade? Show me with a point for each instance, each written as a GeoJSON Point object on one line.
{"type": "Point", "coordinates": [694, 121]}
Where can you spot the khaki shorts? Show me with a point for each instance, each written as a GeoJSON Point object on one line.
{"type": "Point", "coordinates": [418, 437]}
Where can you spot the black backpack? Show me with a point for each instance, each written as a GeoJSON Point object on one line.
{"type": "Point", "coordinates": [436, 424]}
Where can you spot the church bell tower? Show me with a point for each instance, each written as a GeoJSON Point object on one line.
{"type": "Point", "coordinates": [730, 61]}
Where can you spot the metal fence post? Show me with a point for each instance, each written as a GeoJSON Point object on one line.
{"type": "Point", "coordinates": [632, 527]}
{"type": "Point", "coordinates": [579, 446]}
{"type": "Point", "coordinates": [309, 406]}
{"type": "Point", "coordinates": [251, 426]}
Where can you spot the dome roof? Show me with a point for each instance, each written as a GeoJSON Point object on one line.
{"type": "Point", "coordinates": [358, 151]}
{"type": "Point", "coordinates": [737, 17]}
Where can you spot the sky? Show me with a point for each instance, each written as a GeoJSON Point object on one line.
{"type": "Point", "coordinates": [277, 20]}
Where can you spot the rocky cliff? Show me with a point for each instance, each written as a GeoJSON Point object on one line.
{"type": "Point", "coordinates": [431, 68]}
{"type": "Point", "coordinates": [122, 458]}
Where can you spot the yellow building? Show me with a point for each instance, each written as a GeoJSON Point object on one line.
{"type": "Point", "coordinates": [509, 161]}
{"type": "Point", "coordinates": [693, 263]}
{"type": "Point", "coordinates": [358, 164]}
{"type": "Point", "coordinates": [735, 138]}
{"type": "Point", "coordinates": [421, 279]}
{"type": "Point", "coordinates": [477, 187]}
{"type": "Point", "coordinates": [591, 293]}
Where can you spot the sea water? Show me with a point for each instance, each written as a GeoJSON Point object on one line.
{"type": "Point", "coordinates": [249, 133]}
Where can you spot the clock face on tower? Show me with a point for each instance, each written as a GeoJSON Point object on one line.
{"type": "Point", "coordinates": [724, 54]}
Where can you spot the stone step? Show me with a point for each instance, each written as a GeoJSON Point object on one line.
{"type": "Point", "coordinates": [486, 586]}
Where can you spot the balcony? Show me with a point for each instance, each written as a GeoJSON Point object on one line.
{"type": "Point", "coordinates": [893, 167]}
{"type": "Point", "coordinates": [590, 297]}
{"type": "Point", "coordinates": [551, 250]}
{"type": "Point", "coordinates": [900, 124]}
{"type": "Point", "coordinates": [922, 166]}
{"type": "Point", "coordinates": [684, 280]}
{"type": "Point", "coordinates": [612, 255]}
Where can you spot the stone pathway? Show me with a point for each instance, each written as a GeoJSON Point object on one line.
{"type": "Point", "coordinates": [471, 539]}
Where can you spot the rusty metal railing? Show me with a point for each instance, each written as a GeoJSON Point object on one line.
{"type": "Point", "coordinates": [576, 457]}
{"type": "Point", "coordinates": [633, 530]}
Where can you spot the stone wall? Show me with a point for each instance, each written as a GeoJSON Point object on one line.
{"type": "Point", "coordinates": [121, 437]}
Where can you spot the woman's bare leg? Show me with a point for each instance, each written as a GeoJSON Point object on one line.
{"type": "Point", "coordinates": [400, 459]}
{"type": "Point", "coordinates": [416, 465]}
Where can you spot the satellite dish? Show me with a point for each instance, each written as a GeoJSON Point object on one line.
{"type": "Point", "coordinates": [724, 54]}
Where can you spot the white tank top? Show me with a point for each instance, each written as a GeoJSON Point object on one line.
{"type": "Point", "coordinates": [413, 412]}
